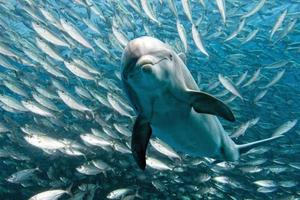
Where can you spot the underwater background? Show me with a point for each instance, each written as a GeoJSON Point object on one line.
{"type": "Point", "coordinates": [65, 122]}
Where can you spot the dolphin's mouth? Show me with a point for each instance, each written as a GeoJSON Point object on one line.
{"type": "Point", "coordinates": [145, 64]}
{"type": "Point", "coordinates": [147, 61]}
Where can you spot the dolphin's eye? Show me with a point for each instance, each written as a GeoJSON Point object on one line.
{"type": "Point", "coordinates": [171, 57]}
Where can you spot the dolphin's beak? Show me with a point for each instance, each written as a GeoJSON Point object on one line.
{"type": "Point", "coordinates": [145, 63]}
{"type": "Point", "coordinates": [148, 61]}
{"type": "Point", "coordinates": [147, 68]}
{"type": "Point", "coordinates": [145, 60]}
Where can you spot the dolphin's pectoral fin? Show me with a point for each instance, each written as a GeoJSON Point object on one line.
{"type": "Point", "coordinates": [139, 140]}
{"type": "Point", "coordinates": [132, 96]}
{"type": "Point", "coordinates": [205, 103]}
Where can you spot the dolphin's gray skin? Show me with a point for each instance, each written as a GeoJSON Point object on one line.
{"type": "Point", "coordinates": [169, 105]}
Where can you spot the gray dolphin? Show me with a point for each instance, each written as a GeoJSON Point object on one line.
{"type": "Point", "coordinates": [170, 105]}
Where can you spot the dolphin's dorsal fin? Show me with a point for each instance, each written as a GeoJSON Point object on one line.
{"type": "Point", "coordinates": [205, 103]}
{"type": "Point", "coordinates": [182, 56]}
{"type": "Point", "coordinates": [140, 138]}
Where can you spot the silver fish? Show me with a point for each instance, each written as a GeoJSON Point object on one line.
{"type": "Point", "coordinates": [236, 32]}
{"type": "Point", "coordinates": [37, 108]}
{"type": "Point", "coordinates": [221, 7]}
{"type": "Point", "coordinates": [49, 195]}
{"type": "Point", "coordinates": [250, 36]}
{"type": "Point", "coordinates": [198, 41]}
{"type": "Point", "coordinates": [118, 193]}
{"type": "Point", "coordinates": [71, 101]}
{"type": "Point", "coordinates": [253, 78]}
{"type": "Point", "coordinates": [287, 126]}
{"type": "Point", "coordinates": [148, 11]}
{"type": "Point", "coordinates": [229, 86]}
{"type": "Point", "coordinates": [48, 35]}
{"type": "Point", "coordinates": [276, 78]}
{"type": "Point", "coordinates": [75, 33]}
{"type": "Point", "coordinates": [278, 23]}
{"type": "Point", "coordinates": [187, 9]}
{"type": "Point", "coordinates": [255, 9]}
{"type": "Point", "coordinates": [157, 164]}
{"type": "Point", "coordinates": [163, 148]}
{"type": "Point", "coordinates": [182, 34]}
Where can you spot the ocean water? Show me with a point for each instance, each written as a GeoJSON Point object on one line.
{"type": "Point", "coordinates": [66, 121]}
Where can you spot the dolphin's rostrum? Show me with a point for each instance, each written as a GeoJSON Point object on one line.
{"type": "Point", "coordinates": [170, 105]}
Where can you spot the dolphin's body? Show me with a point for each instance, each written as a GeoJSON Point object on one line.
{"type": "Point", "coordinates": [169, 105]}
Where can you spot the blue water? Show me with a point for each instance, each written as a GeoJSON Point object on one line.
{"type": "Point", "coordinates": [277, 162]}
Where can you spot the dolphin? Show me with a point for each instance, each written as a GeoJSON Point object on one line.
{"type": "Point", "coordinates": [170, 105]}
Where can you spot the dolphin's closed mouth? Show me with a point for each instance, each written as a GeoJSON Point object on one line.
{"type": "Point", "coordinates": [145, 61]}
{"type": "Point", "coordinates": [147, 68]}
{"type": "Point", "coordinates": [145, 65]}
{"type": "Point", "coordinates": [148, 61]}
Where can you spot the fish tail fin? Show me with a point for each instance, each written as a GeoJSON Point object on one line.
{"type": "Point", "coordinates": [137, 195]}
{"type": "Point", "coordinates": [85, 158]}
{"type": "Point", "coordinates": [38, 169]}
{"type": "Point", "coordinates": [68, 190]}
{"type": "Point", "coordinates": [244, 148]}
